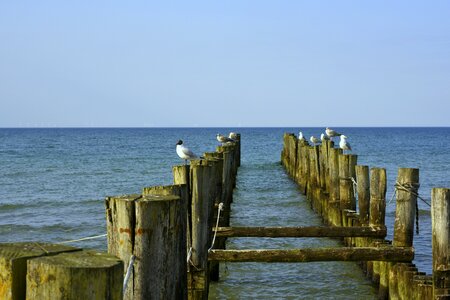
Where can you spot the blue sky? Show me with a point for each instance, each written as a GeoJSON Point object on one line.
{"type": "Point", "coordinates": [224, 63]}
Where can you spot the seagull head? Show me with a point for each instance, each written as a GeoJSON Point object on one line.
{"type": "Point", "coordinates": [180, 142]}
{"type": "Point", "coordinates": [343, 136]}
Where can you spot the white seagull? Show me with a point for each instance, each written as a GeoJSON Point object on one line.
{"type": "Point", "coordinates": [324, 137]}
{"type": "Point", "coordinates": [184, 152]}
{"type": "Point", "coordinates": [314, 140]}
{"type": "Point", "coordinates": [331, 133]}
{"type": "Point", "coordinates": [233, 136]}
{"type": "Point", "coordinates": [301, 137]}
{"type": "Point", "coordinates": [343, 144]}
{"type": "Point", "coordinates": [223, 139]}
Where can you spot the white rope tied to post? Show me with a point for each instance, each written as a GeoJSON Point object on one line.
{"type": "Point", "coordinates": [128, 274]}
{"type": "Point", "coordinates": [188, 259]}
{"type": "Point", "coordinates": [355, 187]}
{"type": "Point", "coordinates": [84, 239]}
{"type": "Point", "coordinates": [220, 208]}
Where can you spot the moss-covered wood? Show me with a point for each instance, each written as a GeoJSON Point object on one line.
{"type": "Point", "coordinates": [13, 265]}
{"type": "Point", "coordinates": [75, 275]}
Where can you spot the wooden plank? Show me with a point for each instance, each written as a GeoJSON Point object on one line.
{"type": "Point", "coordinates": [316, 254]}
{"type": "Point", "coordinates": [310, 231]}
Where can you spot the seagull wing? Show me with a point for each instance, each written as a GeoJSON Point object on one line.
{"type": "Point", "coordinates": [188, 152]}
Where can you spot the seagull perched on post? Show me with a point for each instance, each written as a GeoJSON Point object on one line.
{"type": "Point", "coordinates": [331, 133]}
{"type": "Point", "coordinates": [301, 137]}
{"type": "Point", "coordinates": [184, 152]}
{"type": "Point", "coordinates": [343, 144]}
{"type": "Point", "coordinates": [324, 137]}
{"type": "Point", "coordinates": [314, 140]}
{"type": "Point", "coordinates": [233, 136]}
{"type": "Point", "coordinates": [223, 139]}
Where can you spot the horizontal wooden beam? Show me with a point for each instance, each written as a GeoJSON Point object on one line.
{"type": "Point", "coordinates": [312, 231]}
{"type": "Point", "coordinates": [394, 254]}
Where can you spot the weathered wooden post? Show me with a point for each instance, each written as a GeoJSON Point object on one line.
{"type": "Point", "coordinates": [363, 188]}
{"type": "Point", "coordinates": [215, 160]}
{"type": "Point", "coordinates": [334, 203]}
{"type": "Point", "coordinates": [377, 211]}
{"type": "Point", "coordinates": [75, 275]}
{"type": "Point", "coordinates": [440, 217]}
{"type": "Point", "coordinates": [198, 281]}
{"type": "Point", "coordinates": [120, 224]}
{"type": "Point", "coordinates": [13, 265]}
{"type": "Point", "coordinates": [152, 228]}
{"type": "Point", "coordinates": [305, 168]}
{"type": "Point", "coordinates": [406, 190]}
{"type": "Point", "coordinates": [347, 163]}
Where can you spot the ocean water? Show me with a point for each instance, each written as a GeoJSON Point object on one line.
{"type": "Point", "coordinates": [53, 183]}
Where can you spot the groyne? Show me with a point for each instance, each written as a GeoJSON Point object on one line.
{"type": "Point", "coordinates": [348, 195]}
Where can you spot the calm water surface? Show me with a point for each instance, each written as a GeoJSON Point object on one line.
{"type": "Point", "coordinates": [53, 182]}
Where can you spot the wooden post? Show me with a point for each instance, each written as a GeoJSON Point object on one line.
{"type": "Point", "coordinates": [13, 265]}
{"type": "Point", "coordinates": [198, 281]}
{"type": "Point", "coordinates": [377, 211]}
{"type": "Point", "coordinates": [347, 163]}
{"type": "Point", "coordinates": [75, 275]}
{"type": "Point", "coordinates": [227, 184]}
{"type": "Point", "coordinates": [153, 229]}
{"type": "Point", "coordinates": [363, 183]}
{"type": "Point", "coordinates": [440, 217]}
{"type": "Point", "coordinates": [120, 224]}
{"type": "Point", "coordinates": [406, 207]}
{"type": "Point", "coordinates": [160, 248]}
{"type": "Point", "coordinates": [404, 217]}
{"type": "Point", "coordinates": [334, 203]}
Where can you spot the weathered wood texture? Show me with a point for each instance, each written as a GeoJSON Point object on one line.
{"type": "Point", "coordinates": [13, 265]}
{"type": "Point", "coordinates": [347, 163]}
{"type": "Point", "coordinates": [312, 231]}
{"type": "Point", "coordinates": [316, 254]}
{"type": "Point", "coordinates": [406, 188]}
{"type": "Point", "coordinates": [440, 217]}
{"type": "Point", "coordinates": [377, 197]}
{"type": "Point", "coordinates": [153, 228]}
{"type": "Point", "coordinates": [75, 275]}
{"type": "Point", "coordinates": [363, 188]}
{"type": "Point", "coordinates": [160, 248]}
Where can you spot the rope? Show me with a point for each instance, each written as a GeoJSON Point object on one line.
{"type": "Point", "coordinates": [355, 187]}
{"type": "Point", "coordinates": [127, 276]}
{"type": "Point", "coordinates": [84, 239]}
{"type": "Point", "coordinates": [220, 208]}
{"type": "Point", "coordinates": [413, 189]}
{"type": "Point", "coordinates": [188, 259]}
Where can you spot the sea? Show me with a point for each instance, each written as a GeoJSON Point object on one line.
{"type": "Point", "coordinates": [53, 182]}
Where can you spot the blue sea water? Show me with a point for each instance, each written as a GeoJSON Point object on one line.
{"type": "Point", "coordinates": [54, 180]}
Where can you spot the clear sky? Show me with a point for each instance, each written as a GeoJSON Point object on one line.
{"type": "Point", "coordinates": [224, 63]}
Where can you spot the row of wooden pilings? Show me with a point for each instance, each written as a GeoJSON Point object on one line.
{"type": "Point", "coordinates": [332, 181]}
{"type": "Point", "coordinates": [168, 229]}
{"type": "Point", "coordinates": [158, 242]}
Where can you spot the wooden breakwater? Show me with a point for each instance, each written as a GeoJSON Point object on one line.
{"type": "Point", "coordinates": [165, 233]}
{"type": "Point", "coordinates": [332, 181]}
{"type": "Point", "coordinates": [158, 242]}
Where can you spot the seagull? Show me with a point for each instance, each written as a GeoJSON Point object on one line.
{"type": "Point", "coordinates": [223, 139]}
{"type": "Point", "coordinates": [324, 137]}
{"type": "Point", "coordinates": [343, 144]}
{"type": "Point", "coordinates": [301, 137]}
{"type": "Point", "coordinates": [314, 140]}
{"type": "Point", "coordinates": [184, 152]}
{"type": "Point", "coordinates": [331, 133]}
{"type": "Point", "coordinates": [233, 136]}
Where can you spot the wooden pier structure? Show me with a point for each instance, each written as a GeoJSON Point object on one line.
{"type": "Point", "coordinates": [168, 241]}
